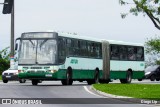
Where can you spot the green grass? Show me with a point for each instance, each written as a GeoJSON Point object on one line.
{"type": "Point", "coordinates": [144, 91]}
{"type": "Point", "coordinates": [0, 77]}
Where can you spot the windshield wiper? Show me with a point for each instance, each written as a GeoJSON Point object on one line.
{"type": "Point", "coordinates": [32, 43]}
{"type": "Point", "coordinates": [43, 43]}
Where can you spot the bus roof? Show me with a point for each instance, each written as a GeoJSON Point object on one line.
{"type": "Point", "coordinates": [98, 40]}
{"type": "Point", "coordinates": [74, 35]}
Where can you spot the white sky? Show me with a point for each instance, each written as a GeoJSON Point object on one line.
{"type": "Point", "coordinates": [95, 18]}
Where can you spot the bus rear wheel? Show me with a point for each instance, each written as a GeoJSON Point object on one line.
{"type": "Point", "coordinates": [34, 82]}
{"type": "Point", "coordinates": [96, 78]}
{"type": "Point", "coordinates": [128, 78]}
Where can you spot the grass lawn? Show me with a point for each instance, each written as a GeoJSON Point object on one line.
{"type": "Point", "coordinates": [0, 77]}
{"type": "Point", "coordinates": [144, 91]}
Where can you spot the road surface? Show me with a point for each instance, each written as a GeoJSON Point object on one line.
{"type": "Point", "coordinates": [54, 89]}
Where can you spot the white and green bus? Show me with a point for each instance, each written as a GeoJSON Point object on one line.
{"type": "Point", "coordinates": [70, 57]}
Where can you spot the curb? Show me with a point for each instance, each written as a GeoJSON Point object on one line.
{"type": "Point", "coordinates": [125, 98]}
{"type": "Point", "coordinates": [108, 95]}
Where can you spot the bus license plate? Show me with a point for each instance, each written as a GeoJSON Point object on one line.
{"type": "Point", "coordinates": [8, 76]}
{"type": "Point", "coordinates": [48, 75]}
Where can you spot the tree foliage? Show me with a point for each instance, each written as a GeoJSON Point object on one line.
{"type": "Point", "coordinates": [152, 47]}
{"type": "Point", "coordinates": [4, 60]}
{"type": "Point", "coordinates": [151, 8]}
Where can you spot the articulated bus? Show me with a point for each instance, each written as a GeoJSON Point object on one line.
{"type": "Point", "coordinates": [70, 57]}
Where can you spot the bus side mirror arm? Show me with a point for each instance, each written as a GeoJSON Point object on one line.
{"type": "Point", "coordinates": [16, 46]}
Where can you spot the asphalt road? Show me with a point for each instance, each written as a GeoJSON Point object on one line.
{"type": "Point", "coordinates": [54, 89]}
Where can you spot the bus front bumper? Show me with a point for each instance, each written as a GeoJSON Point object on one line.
{"type": "Point", "coordinates": [43, 76]}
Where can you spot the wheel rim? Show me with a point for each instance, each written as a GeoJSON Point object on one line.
{"type": "Point", "coordinates": [129, 77]}
{"type": "Point", "coordinates": [67, 78]}
{"type": "Point", "coordinates": [96, 77]}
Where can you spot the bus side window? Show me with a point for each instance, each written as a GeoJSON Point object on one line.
{"type": "Point", "coordinates": [61, 48]}
{"type": "Point", "coordinates": [69, 47]}
{"type": "Point", "coordinates": [89, 49]}
{"type": "Point", "coordinates": [83, 48]}
{"type": "Point", "coordinates": [140, 53]}
{"type": "Point", "coordinates": [98, 50]}
{"type": "Point", "coordinates": [75, 48]}
{"type": "Point", "coordinates": [114, 52]}
{"type": "Point", "coordinates": [93, 50]}
{"type": "Point", "coordinates": [123, 52]}
{"type": "Point", "coordinates": [132, 53]}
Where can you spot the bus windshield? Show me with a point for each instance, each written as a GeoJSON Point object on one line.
{"type": "Point", "coordinates": [38, 51]}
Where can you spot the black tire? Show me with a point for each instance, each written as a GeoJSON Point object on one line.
{"type": "Point", "coordinates": [152, 78]}
{"type": "Point", "coordinates": [22, 81]}
{"type": "Point", "coordinates": [96, 77]}
{"type": "Point", "coordinates": [5, 81]}
{"type": "Point", "coordinates": [90, 82]}
{"type": "Point", "coordinates": [157, 79]}
{"type": "Point", "coordinates": [122, 81]}
{"type": "Point", "coordinates": [63, 82]}
{"type": "Point", "coordinates": [128, 78]}
{"type": "Point", "coordinates": [68, 80]}
{"type": "Point", "coordinates": [39, 81]}
{"type": "Point", "coordinates": [104, 81]}
{"type": "Point", "coordinates": [34, 82]}
{"type": "Point", "coordinates": [139, 79]}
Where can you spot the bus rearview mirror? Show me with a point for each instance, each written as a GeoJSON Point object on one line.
{"type": "Point", "coordinates": [16, 47]}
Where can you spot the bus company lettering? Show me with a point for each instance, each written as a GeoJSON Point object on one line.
{"type": "Point", "coordinates": [74, 61]}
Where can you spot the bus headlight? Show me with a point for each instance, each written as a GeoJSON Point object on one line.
{"type": "Point", "coordinates": [52, 71]}
{"type": "Point", "coordinates": [16, 73]}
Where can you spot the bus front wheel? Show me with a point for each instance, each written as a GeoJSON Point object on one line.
{"type": "Point", "coordinates": [5, 81]}
{"type": "Point", "coordinates": [68, 80]}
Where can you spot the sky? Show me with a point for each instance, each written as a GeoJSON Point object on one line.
{"type": "Point", "coordinates": [94, 18]}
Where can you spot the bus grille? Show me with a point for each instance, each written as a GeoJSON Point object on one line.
{"type": "Point", "coordinates": [36, 72]}
{"type": "Point", "coordinates": [36, 67]}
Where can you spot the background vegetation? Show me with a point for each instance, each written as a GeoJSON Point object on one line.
{"type": "Point", "coordinates": [4, 60]}
{"type": "Point", "coordinates": [151, 9]}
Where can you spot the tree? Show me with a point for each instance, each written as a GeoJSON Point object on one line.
{"type": "Point", "coordinates": [152, 48]}
{"type": "Point", "coordinates": [151, 8]}
{"type": "Point", "coordinates": [4, 59]}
